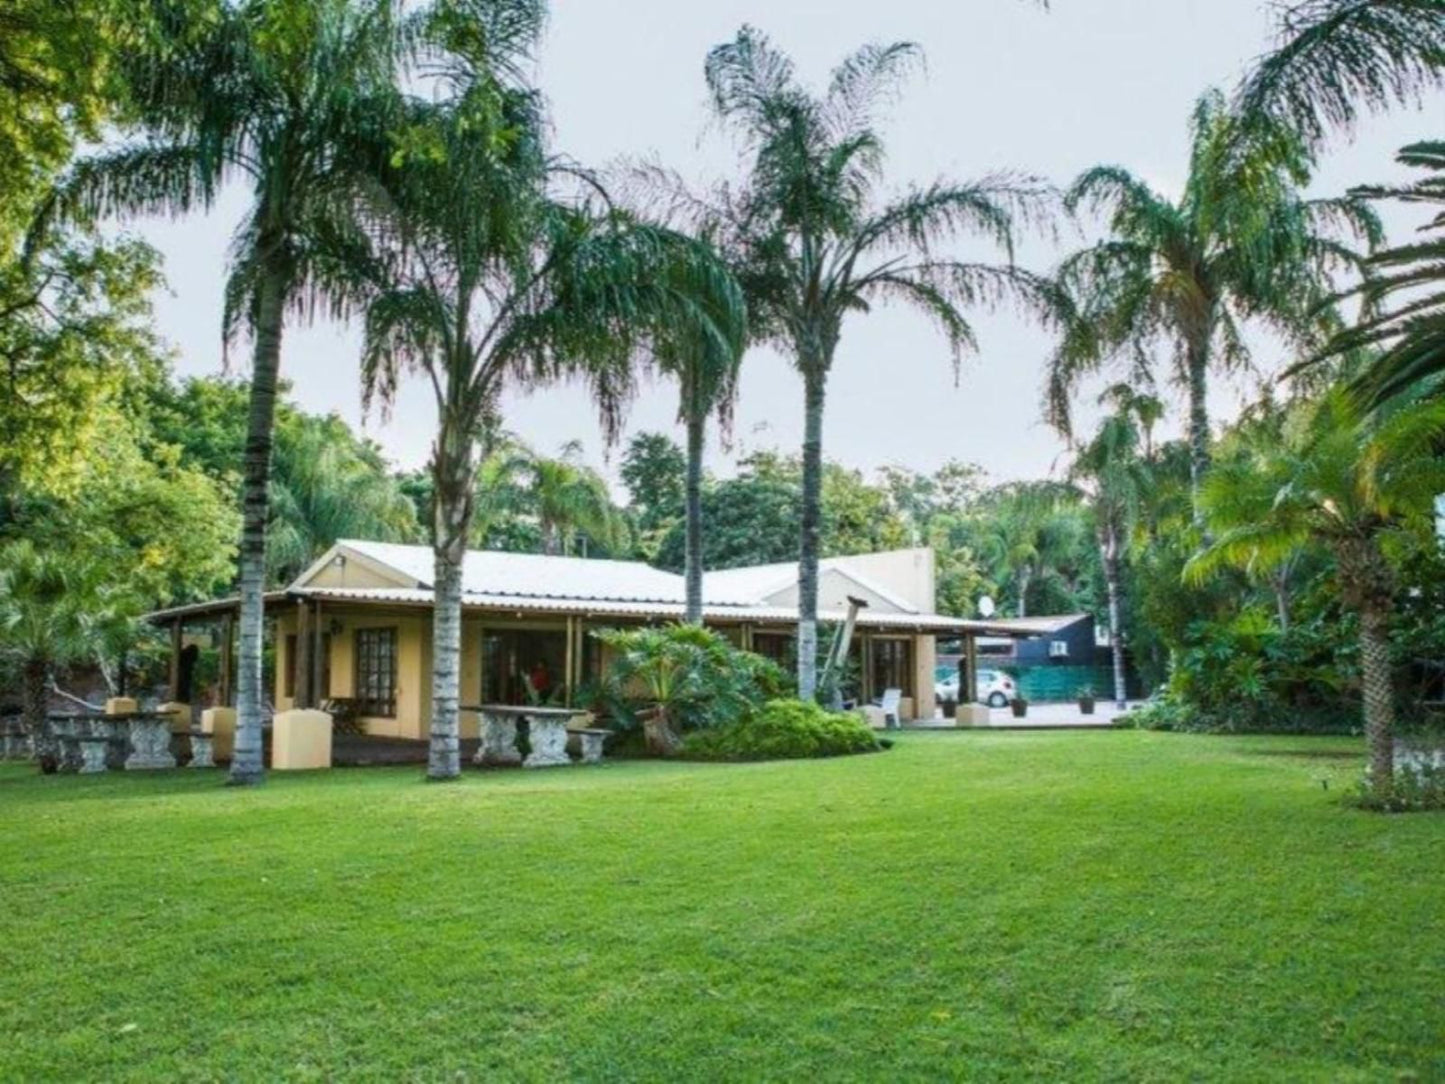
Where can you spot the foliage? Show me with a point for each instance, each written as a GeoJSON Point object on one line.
{"type": "Point", "coordinates": [1417, 788]}
{"type": "Point", "coordinates": [654, 472]}
{"type": "Point", "coordinates": [692, 673]}
{"type": "Point", "coordinates": [784, 730]}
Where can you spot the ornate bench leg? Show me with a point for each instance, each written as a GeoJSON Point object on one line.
{"type": "Point", "coordinates": [93, 752]}
{"type": "Point", "coordinates": [549, 744]}
{"type": "Point", "coordinates": [201, 751]}
{"type": "Point", "coordinates": [592, 748]}
{"type": "Point", "coordinates": [499, 742]}
{"type": "Point", "coordinates": [150, 745]}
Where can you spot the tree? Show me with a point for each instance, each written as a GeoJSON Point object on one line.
{"type": "Point", "coordinates": [1240, 242]}
{"type": "Point", "coordinates": [1109, 470]}
{"type": "Point", "coordinates": [499, 278]}
{"type": "Point", "coordinates": [812, 242]}
{"type": "Point", "coordinates": [1334, 58]}
{"type": "Point", "coordinates": [1023, 531]}
{"type": "Point", "coordinates": [1348, 482]}
{"type": "Point", "coordinates": [570, 498]}
{"type": "Point", "coordinates": [1402, 328]}
{"type": "Point", "coordinates": [295, 98]}
{"type": "Point", "coordinates": [654, 471]}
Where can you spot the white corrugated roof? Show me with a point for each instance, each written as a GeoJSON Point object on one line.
{"type": "Point", "coordinates": [623, 608]}
{"type": "Point", "coordinates": [533, 575]}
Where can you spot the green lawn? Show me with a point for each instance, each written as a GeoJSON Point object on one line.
{"type": "Point", "coordinates": [1112, 905]}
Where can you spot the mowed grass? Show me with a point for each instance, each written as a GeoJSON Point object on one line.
{"type": "Point", "coordinates": [1079, 906]}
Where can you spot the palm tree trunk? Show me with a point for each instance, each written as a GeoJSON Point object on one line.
{"type": "Point", "coordinates": [814, 392]}
{"type": "Point", "coordinates": [1198, 363]}
{"type": "Point", "coordinates": [453, 476]}
{"type": "Point", "coordinates": [247, 764]}
{"type": "Point", "coordinates": [33, 699]}
{"type": "Point", "coordinates": [696, 435]}
{"type": "Point", "coordinates": [1114, 584]}
{"type": "Point", "coordinates": [1025, 574]}
{"type": "Point", "coordinates": [1379, 697]}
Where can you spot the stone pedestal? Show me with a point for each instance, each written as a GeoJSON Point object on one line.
{"type": "Point", "coordinates": [971, 715]}
{"type": "Point", "coordinates": [202, 754]}
{"type": "Point", "coordinates": [498, 748]}
{"type": "Point", "coordinates": [220, 724]}
{"type": "Point", "coordinates": [300, 741]}
{"type": "Point", "coordinates": [66, 734]}
{"type": "Point", "coordinates": [94, 750]}
{"type": "Point", "coordinates": [178, 716]}
{"type": "Point", "coordinates": [591, 742]}
{"type": "Point", "coordinates": [150, 744]}
{"type": "Point", "coordinates": [549, 743]}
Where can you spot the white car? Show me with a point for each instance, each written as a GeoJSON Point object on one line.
{"type": "Point", "coordinates": [995, 688]}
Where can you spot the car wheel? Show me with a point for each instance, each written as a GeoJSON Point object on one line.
{"type": "Point", "coordinates": [997, 700]}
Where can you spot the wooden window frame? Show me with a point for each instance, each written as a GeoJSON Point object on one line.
{"type": "Point", "coordinates": [375, 697]}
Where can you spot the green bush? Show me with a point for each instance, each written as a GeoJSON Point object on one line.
{"type": "Point", "coordinates": [784, 730]}
{"type": "Point", "coordinates": [1419, 788]}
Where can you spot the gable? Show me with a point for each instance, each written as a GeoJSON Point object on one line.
{"type": "Point", "coordinates": [835, 585]}
{"type": "Point", "coordinates": [345, 567]}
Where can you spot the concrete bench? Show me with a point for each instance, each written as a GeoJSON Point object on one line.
{"type": "Point", "coordinates": [590, 741]}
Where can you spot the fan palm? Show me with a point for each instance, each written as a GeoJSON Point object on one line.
{"type": "Point", "coordinates": [812, 240]}
{"type": "Point", "coordinates": [498, 281]}
{"type": "Point", "coordinates": [1335, 57]}
{"type": "Point", "coordinates": [1240, 242]}
{"type": "Point", "coordinates": [1345, 481]}
{"type": "Point", "coordinates": [294, 99]}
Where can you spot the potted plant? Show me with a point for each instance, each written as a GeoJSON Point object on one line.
{"type": "Point", "coordinates": [950, 707]}
{"type": "Point", "coordinates": [1020, 707]}
{"type": "Point", "coordinates": [1086, 700]}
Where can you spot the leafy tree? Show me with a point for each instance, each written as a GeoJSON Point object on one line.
{"type": "Point", "coordinates": [295, 98]}
{"type": "Point", "coordinates": [1334, 59]}
{"type": "Point", "coordinates": [1240, 242]}
{"type": "Point", "coordinates": [571, 499]}
{"type": "Point", "coordinates": [747, 519]}
{"type": "Point", "coordinates": [1025, 532]}
{"type": "Point", "coordinates": [812, 242]}
{"type": "Point", "coordinates": [654, 470]}
{"type": "Point", "coordinates": [1349, 483]}
{"type": "Point", "coordinates": [498, 278]}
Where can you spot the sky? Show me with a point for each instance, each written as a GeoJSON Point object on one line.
{"type": "Point", "coordinates": [1009, 85]}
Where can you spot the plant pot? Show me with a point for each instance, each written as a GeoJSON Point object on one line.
{"type": "Point", "coordinates": [1020, 707]}
{"type": "Point", "coordinates": [950, 708]}
{"type": "Point", "coordinates": [1086, 705]}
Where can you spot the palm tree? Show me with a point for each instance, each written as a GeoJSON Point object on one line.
{"type": "Point", "coordinates": [498, 281]}
{"type": "Point", "coordinates": [1240, 242]}
{"type": "Point", "coordinates": [1111, 471]}
{"type": "Point", "coordinates": [1334, 57]}
{"type": "Point", "coordinates": [1023, 528]}
{"type": "Point", "coordinates": [295, 100]}
{"type": "Point", "coordinates": [327, 485]}
{"type": "Point", "coordinates": [1343, 480]}
{"type": "Point", "coordinates": [1406, 340]}
{"type": "Point", "coordinates": [812, 241]}
{"type": "Point", "coordinates": [568, 498]}
{"type": "Point", "coordinates": [52, 611]}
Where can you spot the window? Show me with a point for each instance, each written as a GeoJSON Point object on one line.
{"type": "Point", "coordinates": [892, 666]}
{"type": "Point", "coordinates": [376, 672]}
{"type": "Point", "coordinates": [776, 646]}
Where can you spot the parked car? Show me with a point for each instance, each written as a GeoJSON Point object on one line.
{"type": "Point", "coordinates": [995, 688]}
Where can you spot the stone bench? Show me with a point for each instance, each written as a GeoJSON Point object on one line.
{"type": "Point", "coordinates": [590, 741]}
{"type": "Point", "coordinates": [202, 749]}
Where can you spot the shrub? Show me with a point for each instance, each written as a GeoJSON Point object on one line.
{"type": "Point", "coordinates": [681, 678]}
{"type": "Point", "coordinates": [784, 730]}
{"type": "Point", "coordinates": [1419, 788]}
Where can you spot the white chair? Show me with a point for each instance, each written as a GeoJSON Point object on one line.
{"type": "Point", "coordinates": [891, 699]}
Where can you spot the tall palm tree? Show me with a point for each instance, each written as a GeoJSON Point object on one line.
{"type": "Point", "coordinates": [813, 240]}
{"type": "Point", "coordinates": [296, 100]}
{"type": "Point", "coordinates": [1111, 471]}
{"type": "Point", "coordinates": [1021, 529]}
{"type": "Point", "coordinates": [1240, 242]}
{"type": "Point", "coordinates": [1334, 59]}
{"type": "Point", "coordinates": [1345, 481]}
{"type": "Point", "coordinates": [497, 280]}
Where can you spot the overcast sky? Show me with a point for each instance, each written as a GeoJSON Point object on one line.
{"type": "Point", "coordinates": [1008, 85]}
